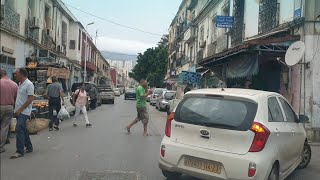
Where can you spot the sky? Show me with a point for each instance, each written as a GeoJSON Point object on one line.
{"type": "Point", "coordinates": [153, 16]}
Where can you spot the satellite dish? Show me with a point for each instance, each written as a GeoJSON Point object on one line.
{"type": "Point", "coordinates": [295, 53]}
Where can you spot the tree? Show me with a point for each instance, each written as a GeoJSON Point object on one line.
{"type": "Point", "coordinates": [152, 64]}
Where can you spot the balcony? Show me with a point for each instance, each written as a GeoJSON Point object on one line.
{"type": "Point", "coordinates": [200, 56]}
{"type": "Point", "coordinates": [190, 35]}
{"type": "Point", "coordinates": [269, 11]}
{"type": "Point", "coordinates": [222, 43]}
{"type": "Point", "coordinates": [237, 33]}
{"type": "Point", "coordinates": [90, 65]}
{"type": "Point", "coordinates": [10, 19]}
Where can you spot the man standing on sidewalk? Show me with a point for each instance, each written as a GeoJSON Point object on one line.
{"type": "Point", "coordinates": [93, 93]}
{"type": "Point", "coordinates": [54, 93]}
{"type": "Point", "coordinates": [8, 92]}
{"type": "Point", "coordinates": [22, 110]}
{"type": "Point", "coordinates": [143, 115]}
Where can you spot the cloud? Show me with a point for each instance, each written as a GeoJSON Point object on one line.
{"type": "Point", "coordinates": [105, 43]}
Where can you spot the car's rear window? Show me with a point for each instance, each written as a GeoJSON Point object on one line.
{"type": "Point", "coordinates": [169, 95]}
{"type": "Point", "coordinates": [131, 90]}
{"type": "Point", "coordinates": [157, 91]}
{"type": "Point", "coordinates": [219, 112]}
{"type": "Point", "coordinates": [105, 90]}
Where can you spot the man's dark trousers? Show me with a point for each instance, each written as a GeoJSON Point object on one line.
{"type": "Point", "coordinates": [93, 103]}
{"type": "Point", "coordinates": [54, 103]}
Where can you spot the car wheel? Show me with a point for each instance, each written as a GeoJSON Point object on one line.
{"type": "Point", "coordinates": [171, 175]}
{"type": "Point", "coordinates": [112, 102]}
{"type": "Point", "coordinates": [156, 106]}
{"type": "Point", "coordinates": [274, 174]}
{"type": "Point", "coordinates": [306, 156]}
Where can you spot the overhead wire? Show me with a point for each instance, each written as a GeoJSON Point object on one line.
{"type": "Point", "coordinates": [113, 22]}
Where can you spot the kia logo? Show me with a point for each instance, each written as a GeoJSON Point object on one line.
{"type": "Point", "coordinates": [204, 132]}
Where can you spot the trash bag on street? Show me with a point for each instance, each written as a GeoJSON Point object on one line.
{"type": "Point", "coordinates": [63, 113]}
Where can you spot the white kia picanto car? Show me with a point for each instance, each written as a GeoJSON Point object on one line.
{"type": "Point", "coordinates": [234, 134]}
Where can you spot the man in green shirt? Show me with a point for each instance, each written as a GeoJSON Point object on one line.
{"type": "Point", "coordinates": [141, 96]}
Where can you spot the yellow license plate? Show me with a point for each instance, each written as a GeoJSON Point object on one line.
{"type": "Point", "coordinates": [203, 164]}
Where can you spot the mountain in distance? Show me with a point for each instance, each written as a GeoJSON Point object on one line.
{"type": "Point", "coordinates": [109, 55]}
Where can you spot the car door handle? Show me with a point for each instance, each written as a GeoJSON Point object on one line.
{"type": "Point", "coordinates": [293, 132]}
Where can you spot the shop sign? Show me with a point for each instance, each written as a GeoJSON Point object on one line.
{"type": "Point", "coordinates": [224, 21]}
{"type": "Point", "coordinates": [173, 73]}
{"type": "Point", "coordinates": [62, 73]}
{"type": "Point", "coordinates": [297, 13]}
{"type": "Point", "coordinates": [190, 77]}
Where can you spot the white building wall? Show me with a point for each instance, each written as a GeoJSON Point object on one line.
{"type": "Point", "coordinates": [251, 18]}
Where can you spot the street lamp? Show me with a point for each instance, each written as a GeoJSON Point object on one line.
{"type": "Point", "coordinates": [86, 53]}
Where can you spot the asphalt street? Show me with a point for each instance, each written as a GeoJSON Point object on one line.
{"type": "Point", "coordinates": [104, 151]}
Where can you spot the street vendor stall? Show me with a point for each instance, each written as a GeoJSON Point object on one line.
{"type": "Point", "coordinates": [41, 75]}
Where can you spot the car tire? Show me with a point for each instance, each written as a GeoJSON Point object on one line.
{"type": "Point", "coordinates": [112, 102]}
{"type": "Point", "coordinates": [125, 98]}
{"type": "Point", "coordinates": [274, 174]}
{"type": "Point", "coordinates": [171, 175]}
{"type": "Point", "coordinates": [306, 156]}
{"type": "Point", "coordinates": [168, 110]}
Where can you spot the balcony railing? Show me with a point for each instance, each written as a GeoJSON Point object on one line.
{"type": "Point", "coordinates": [237, 33]}
{"type": "Point", "coordinates": [268, 15]}
{"type": "Point", "coordinates": [90, 65]}
{"type": "Point", "coordinates": [10, 19]}
{"type": "Point", "coordinates": [185, 60]}
{"type": "Point", "coordinates": [200, 56]}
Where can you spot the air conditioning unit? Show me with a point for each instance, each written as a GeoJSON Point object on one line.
{"type": "Point", "coordinates": [49, 32]}
{"type": "Point", "coordinates": [35, 23]}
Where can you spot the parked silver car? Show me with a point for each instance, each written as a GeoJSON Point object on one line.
{"type": "Point", "coordinates": [156, 93]}
{"type": "Point", "coordinates": [234, 134]}
{"type": "Point", "coordinates": [162, 101]}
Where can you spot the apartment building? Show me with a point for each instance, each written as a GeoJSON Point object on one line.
{"type": "Point", "coordinates": [250, 51]}
{"type": "Point", "coordinates": [46, 32]}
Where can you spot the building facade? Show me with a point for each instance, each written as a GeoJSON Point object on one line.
{"type": "Point", "coordinates": [252, 50]}
{"type": "Point", "coordinates": [46, 32]}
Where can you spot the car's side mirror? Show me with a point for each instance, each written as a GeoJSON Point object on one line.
{"type": "Point", "coordinates": [303, 119]}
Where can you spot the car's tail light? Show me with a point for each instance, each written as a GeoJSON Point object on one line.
{"type": "Point", "coordinates": [168, 124]}
{"type": "Point", "coordinates": [260, 138]}
{"type": "Point", "coordinates": [252, 169]}
{"type": "Point", "coordinates": [163, 150]}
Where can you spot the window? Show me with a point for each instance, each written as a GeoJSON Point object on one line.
{"type": "Point", "coordinates": [290, 114]}
{"type": "Point", "coordinates": [64, 35]}
{"type": "Point", "coordinates": [72, 44]}
{"type": "Point", "coordinates": [79, 40]}
{"type": "Point", "coordinates": [218, 112]}
{"type": "Point", "coordinates": [202, 34]}
{"type": "Point", "coordinates": [275, 114]}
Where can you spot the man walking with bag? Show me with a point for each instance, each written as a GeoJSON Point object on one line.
{"type": "Point", "coordinates": [8, 92]}
{"type": "Point", "coordinates": [54, 94]}
{"type": "Point", "coordinates": [23, 108]}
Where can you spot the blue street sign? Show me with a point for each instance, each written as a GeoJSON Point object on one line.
{"type": "Point", "coordinates": [224, 21]}
{"type": "Point", "coordinates": [297, 13]}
